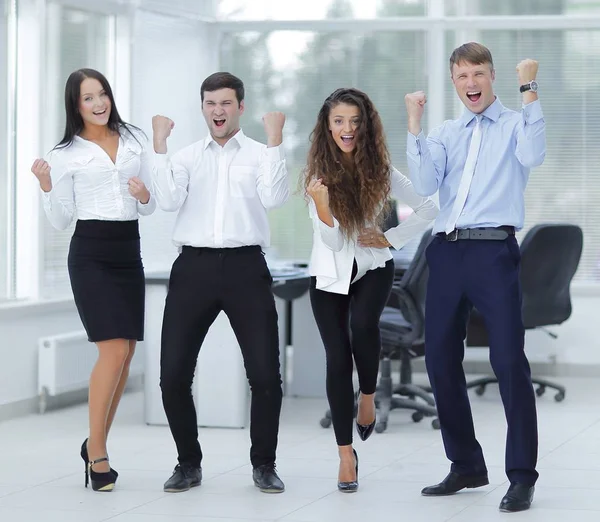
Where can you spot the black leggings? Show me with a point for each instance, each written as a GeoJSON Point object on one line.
{"type": "Point", "coordinates": [349, 326]}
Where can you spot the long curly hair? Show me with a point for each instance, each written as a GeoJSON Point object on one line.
{"type": "Point", "coordinates": [358, 187]}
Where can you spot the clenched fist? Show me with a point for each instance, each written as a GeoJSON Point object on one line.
{"type": "Point", "coordinates": [319, 193]}
{"type": "Point", "coordinates": [161, 129]}
{"type": "Point", "coordinates": [138, 190]}
{"type": "Point", "coordinates": [415, 104]}
{"type": "Point", "coordinates": [41, 171]}
{"type": "Point", "coordinates": [274, 122]}
{"type": "Point", "coordinates": [527, 71]}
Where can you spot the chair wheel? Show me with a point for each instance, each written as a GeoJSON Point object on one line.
{"type": "Point", "coordinates": [540, 391]}
{"type": "Point", "coordinates": [435, 424]}
{"type": "Point", "coordinates": [480, 390]}
{"type": "Point", "coordinates": [417, 416]}
{"type": "Point", "coordinates": [559, 397]}
{"type": "Point", "coordinates": [325, 422]}
{"type": "Point", "coordinates": [380, 427]}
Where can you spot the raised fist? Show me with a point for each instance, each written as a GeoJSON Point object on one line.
{"type": "Point", "coordinates": [274, 122]}
{"type": "Point", "coordinates": [319, 193]}
{"type": "Point", "coordinates": [161, 127]}
{"type": "Point", "coordinates": [415, 105]}
{"type": "Point", "coordinates": [527, 71]}
{"type": "Point", "coordinates": [41, 170]}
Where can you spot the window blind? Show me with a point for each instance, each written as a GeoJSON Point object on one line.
{"type": "Point", "coordinates": [82, 41]}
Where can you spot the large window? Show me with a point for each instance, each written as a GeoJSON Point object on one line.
{"type": "Point", "coordinates": [566, 188]}
{"type": "Point", "coordinates": [75, 39]}
{"type": "Point", "coordinates": [314, 9]}
{"type": "Point", "coordinates": [295, 72]}
{"type": "Point", "coordinates": [5, 185]}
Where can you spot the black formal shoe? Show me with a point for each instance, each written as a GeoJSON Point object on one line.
{"type": "Point", "coordinates": [517, 498]}
{"type": "Point", "coordinates": [266, 479]}
{"type": "Point", "coordinates": [352, 486]}
{"type": "Point", "coordinates": [454, 483]}
{"type": "Point", "coordinates": [364, 432]}
{"type": "Point", "coordinates": [86, 458]}
{"type": "Point", "coordinates": [184, 477]}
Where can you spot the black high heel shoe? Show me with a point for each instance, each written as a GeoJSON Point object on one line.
{"type": "Point", "coordinates": [352, 486]}
{"type": "Point", "coordinates": [364, 432]}
{"type": "Point", "coordinates": [86, 458]}
{"type": "Point", "coordinates": [100, 481]}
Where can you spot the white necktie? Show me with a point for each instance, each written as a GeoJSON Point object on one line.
{"type": "Point", "coordinates": [467, 177]}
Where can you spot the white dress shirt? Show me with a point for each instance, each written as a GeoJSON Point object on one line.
{"type": "Point", "coordinates": [222, 193]}
{"type": "Point", "coordinates": [333, 254]}
{"type": "Point", "coordinates": [86, 183]}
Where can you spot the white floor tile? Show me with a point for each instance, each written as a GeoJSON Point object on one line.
{"type": "Point", "coordinates": [41, 473]}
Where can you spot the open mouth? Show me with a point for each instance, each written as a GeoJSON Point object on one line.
{"type": "Point", "coordinates": [347, 139]}
{"type": "Point", "coordinates": [100, 113]}
{"type": "Point", "coordinates": [219, 123]}
{"type": "Point", "coordinates": [474, 96]}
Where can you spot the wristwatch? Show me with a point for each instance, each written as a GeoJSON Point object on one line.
{"type": "Point", "coordinates": [531, 86]}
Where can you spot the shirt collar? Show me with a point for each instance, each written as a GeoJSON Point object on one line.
{"type": "Point", "coordinates": [492, 112]}
{"type": "Point", "coordinates": [239, 137]}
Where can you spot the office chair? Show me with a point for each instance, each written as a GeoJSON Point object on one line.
{"type": "Point", "coordinates": [402, 328]}
{"type": "Point", "coordinates": [402, 331]}
{"type": "Point", "coordinates": [550, 256]}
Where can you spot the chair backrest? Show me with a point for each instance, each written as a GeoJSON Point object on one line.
{"type": "Point", "coordinates": [391, 217]}
{"type": "Point", "coordinates": [416, 276]}
{"type": "Point", "coordinates": [550, 255]}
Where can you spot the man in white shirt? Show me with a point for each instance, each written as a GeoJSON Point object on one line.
{"type": "Point", "coordinates": [222, 187]}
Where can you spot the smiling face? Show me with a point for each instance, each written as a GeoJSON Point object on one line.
{"type": "Point", "coordinates": [222, 112]}
{"type": "Point", "coordinates": [473, 84]}
{"type": "Point", "coordinates": [94, 103]}
{"type": "Point", "coordinates": [344, 121]}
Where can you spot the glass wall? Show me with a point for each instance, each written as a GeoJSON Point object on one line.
{"type": "Point", "coordinates": [294, 71]}
{"type": "Point", "coordinates": [75, 39]}
{"type": "Point", "coordinates": [5, 191]}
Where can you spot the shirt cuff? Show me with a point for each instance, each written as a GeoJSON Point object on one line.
{"type": "Point", "coordinates": [275, 153]}
{"type": "Point", "coordinates": [412, 143]}
{"type": "Point", "coordinates": [390, 237]}
{"type": "Point", "coordinates": [161, 160]}
{"type": "Point", "coordinates": [532, 112]}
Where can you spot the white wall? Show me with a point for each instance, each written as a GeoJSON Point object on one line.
{"type": "Point", "coordinates": [3, 152]}
{"type": "Point", "coordinates": [21, 325]}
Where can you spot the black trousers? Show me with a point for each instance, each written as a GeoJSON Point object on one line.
{"type": "Point", "coordinates": [484, 274]}
{"type": "Point", "coordinates": [349, 326]}
{"type": "Point", "coordinates": [203, 283]}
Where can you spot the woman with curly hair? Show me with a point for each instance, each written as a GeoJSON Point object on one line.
{"type": "Point", "coordinates": [348, 179]}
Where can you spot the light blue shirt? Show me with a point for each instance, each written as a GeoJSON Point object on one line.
{"type": "Point", "coordinates": [511, 144]}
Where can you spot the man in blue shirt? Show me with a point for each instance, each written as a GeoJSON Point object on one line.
{"type": "Point", "coordinates": [480, 165]}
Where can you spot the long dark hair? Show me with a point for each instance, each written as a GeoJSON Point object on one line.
{"type": "Point", "coordinates": [74, 124]}
{"type": "Point", "coordinates": [359, 188]}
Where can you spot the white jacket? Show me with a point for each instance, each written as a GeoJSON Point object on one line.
{"type": "Point", "coordinates": [333, 255]}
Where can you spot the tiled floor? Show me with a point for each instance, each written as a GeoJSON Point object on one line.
{"type": "Point", "coordinates": [41, 473]}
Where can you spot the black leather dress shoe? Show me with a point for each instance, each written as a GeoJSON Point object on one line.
{"type": "Point", "coordinates": [517, 498]}
{"type": "Point", "coordinates": [184, 477]}
{"type": "Point", "coordinates": [266, 479]}
{"type": "Point", "coordinates": [454, 483]}
{"type": "Point", "coordinates": [364, 432]}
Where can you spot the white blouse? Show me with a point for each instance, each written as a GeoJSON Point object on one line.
{"type": "Point", "coordinates": [333, 256]}
{"type": "Point", "coordinates": [86, 182]}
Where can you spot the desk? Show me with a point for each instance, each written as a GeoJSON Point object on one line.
{"type": "Point", "coordinates": [220, 378]}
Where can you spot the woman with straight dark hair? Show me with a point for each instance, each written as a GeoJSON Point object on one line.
{"type": "Point", "coordinates": [100, 172]}
{"type": "Point", "coordinates": [349, 178]}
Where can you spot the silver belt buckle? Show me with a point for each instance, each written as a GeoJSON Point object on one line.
{"type": "Point", "coordinates": [452, 236]}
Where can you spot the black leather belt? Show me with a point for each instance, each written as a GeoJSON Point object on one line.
{"type": "Point", "coordinates": [489, 233]}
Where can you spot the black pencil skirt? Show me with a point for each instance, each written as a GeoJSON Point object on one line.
{"type": "Point", "coordinates": [107, 279]}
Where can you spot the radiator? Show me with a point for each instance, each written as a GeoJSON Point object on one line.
{"type": "Point", "coordinates": [65, 362]}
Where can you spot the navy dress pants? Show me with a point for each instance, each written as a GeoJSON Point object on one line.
{"type": "Point", "coordinates": [484, 274]}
